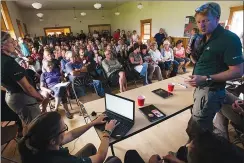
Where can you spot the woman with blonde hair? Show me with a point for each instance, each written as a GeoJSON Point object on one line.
{"type": "Point", "coordinates": [171, 66]}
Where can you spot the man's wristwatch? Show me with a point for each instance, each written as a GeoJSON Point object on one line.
{"type": "Point", "coordinates": [209, 79]}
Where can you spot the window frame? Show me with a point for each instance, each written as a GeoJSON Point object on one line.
{"type": "Point", "coordinates": [145, 21]}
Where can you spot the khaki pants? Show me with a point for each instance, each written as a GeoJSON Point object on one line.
{"type": "Point", "coordinates": [24, 105]}
{"type": "Point", "coordinates": [207, 102]}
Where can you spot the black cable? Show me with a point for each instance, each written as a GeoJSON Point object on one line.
{"type": "Point", "coordinates": [75, 143]}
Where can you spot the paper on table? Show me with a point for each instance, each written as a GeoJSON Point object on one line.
{"type": "Point", "coordinates": [65, 84]}
{"type": "Point", "coordinates": [138, 68]}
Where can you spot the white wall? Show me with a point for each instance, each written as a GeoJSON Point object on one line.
{"type": "Point", "coordinates": [15, 13]}
{"type": "Point", "coordinates": [63, 18]}
{"type": "Point", "coordinates": [166, 14]}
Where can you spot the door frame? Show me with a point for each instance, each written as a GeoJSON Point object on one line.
{"type": "Point", "coordinates": [142, 27]}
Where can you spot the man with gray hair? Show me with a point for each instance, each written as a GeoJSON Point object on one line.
{"type": "Point", "coordinates": [219, 58]}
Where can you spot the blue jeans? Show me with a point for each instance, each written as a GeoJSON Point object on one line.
{"type": "Point", "coordinates": [96, 84]}
{"type": "Point", "coordinates": [144, 72]}
{"type": "Point", "coordinates": [167, 65]}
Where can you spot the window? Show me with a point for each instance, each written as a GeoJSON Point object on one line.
{"type": "Point", "coordinates": [236, 20]}
{"type": "Point", "coordinates": [57, 30]}
{"type": "Point", "coordinates": [6, 20]}
{"type": "Point", "coordinates": [146, 30]}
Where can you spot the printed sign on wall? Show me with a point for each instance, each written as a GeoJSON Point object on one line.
{"type": "Point", "coordinates": [190, 23]}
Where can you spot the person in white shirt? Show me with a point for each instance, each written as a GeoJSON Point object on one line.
{"type": "Point", "coordinates": [134, 37]}
{"type": "Point", "coordinates": [156, 55]}
{"type": "Point", "coordinates": [121, 50]}
{"type": "Point", "coordinates": [168, 56]}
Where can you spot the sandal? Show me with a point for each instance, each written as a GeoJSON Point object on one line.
{"type": "Point", "coordinates": [68, 115]}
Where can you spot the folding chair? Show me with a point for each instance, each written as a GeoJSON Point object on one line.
{"type": "Point", "coordinates": [240, 134]}
{"type": "Point", "coordinates": [132, 73]}
{"type": "Point", "coordinates": [8, 133]}
{"type": "Point", "coordinates": [51, 98]}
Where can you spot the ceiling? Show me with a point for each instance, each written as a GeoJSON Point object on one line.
{"type": "Point", "coordinates": [69, 4]}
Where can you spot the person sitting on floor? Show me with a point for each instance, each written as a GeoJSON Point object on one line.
{"type": "Point", "coordinates": [171, 66]}
{"type": "Point", "coordinates": [49, 80]}
{"type": "Point", "coordinates": [75, 68]}
{"type": "Point", "coordinates": [180, 56]}
{"type": "Point", "coordinates": [137, 63]}
{"type": "Point", "coordinates": [48, 133]}
{"type": "Point", "coordinates": [152, 67]}
{"type": "Point", "coordinates": [112, 66]}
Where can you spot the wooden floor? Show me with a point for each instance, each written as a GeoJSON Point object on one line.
{"type": "Point", "coordinates": [160, 139]}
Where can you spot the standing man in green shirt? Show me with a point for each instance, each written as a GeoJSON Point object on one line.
{"type": "Point", "coordinates": [219, 60]}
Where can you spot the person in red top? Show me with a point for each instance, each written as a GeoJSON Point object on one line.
{"type": "Point", "coordinates": [180, 56]}
{"type": "Point", "coordinates": [35, 55]}
{"type": "Point", "coordinates": [117, 35]}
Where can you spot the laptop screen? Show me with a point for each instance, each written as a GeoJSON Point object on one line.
{"type": "Point", "coordinates": [120, 106]}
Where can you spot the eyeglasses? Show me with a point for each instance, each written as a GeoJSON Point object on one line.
{"type": "Point", "coordinates": [62, 131]}
{"type": "Point", "coordinates": [205, 6]}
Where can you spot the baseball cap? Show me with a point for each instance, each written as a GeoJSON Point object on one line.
{"type": "Point", "coordinates": [211, 6]}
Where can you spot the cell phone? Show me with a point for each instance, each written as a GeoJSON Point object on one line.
{"type": "Point", "coordinates": [162, 93]}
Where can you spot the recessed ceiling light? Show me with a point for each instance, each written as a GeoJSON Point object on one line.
{"type": "Point", "coordinates": [40, 15]}
{"type": "Point", "coordinates": [97, 5]}
{"type": "Point", "coordinates": [37, 5]}
{"type": "Point", "coordinates": [83, 14]}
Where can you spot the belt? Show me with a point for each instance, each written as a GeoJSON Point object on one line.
{"type": "Point", "coordinates": [212, 88]}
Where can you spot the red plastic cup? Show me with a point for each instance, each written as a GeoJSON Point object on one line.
{"type": "Point", "coordinates": [171, 87]}
{"type": "Point", "coordinates": [141, 100]}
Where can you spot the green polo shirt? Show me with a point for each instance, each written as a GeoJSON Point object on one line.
{"type": "Point", "coordinates": [223, 49]}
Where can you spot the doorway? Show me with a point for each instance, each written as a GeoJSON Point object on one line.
{"type": "Point", "coordinates": [57, 30]}
{"type": "Point", "coordinates": [146, 30]}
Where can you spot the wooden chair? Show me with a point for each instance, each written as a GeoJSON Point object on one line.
{"type": "Point", "coordinates": [8, 133]}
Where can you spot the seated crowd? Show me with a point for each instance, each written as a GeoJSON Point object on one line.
{"type": "Point", "coordinates": [93, 59]}
{"type": "Point", "coordinates": [66, 57]}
